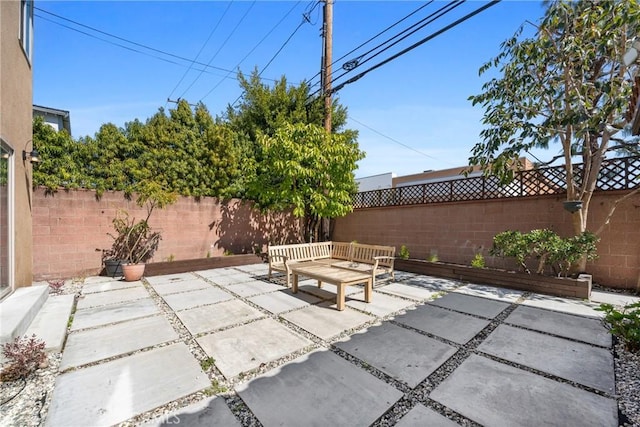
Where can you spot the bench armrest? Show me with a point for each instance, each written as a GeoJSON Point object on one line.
{"type": "Point", "coordinates": [276, 256]}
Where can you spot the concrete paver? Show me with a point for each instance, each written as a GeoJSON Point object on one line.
{"type": "Point", "coordinates": [101, 343]}
{"type": "Point", "coordinates": [111, 297]}
{"type": "Point", "coordinates": [166, 288]}
{"type": "Point", "coordinates": [104, 315]}
{"type": "Point", "coordinates": [211, 317]}
{"type": "Point", "coordinates": [113, 285]}
{"type": "Point", "coordinates": [564, 305]}
{"type": "Point", "coordinates": [325, 321]}
{"type": "Point", "coordinates": [600, 297]}
{"type": "Point", "coordinates": [253, 287]}
{"type": "Point", "coordinates": [421, 416]}
{"type": "Point", "coordinates": [490, 292]}
{"type": "Point", "coordinates": [112, 392]}
{"type": "Point", "coordinates": [583, 329]}
{"type": "Point", "coordinates": [325, 293]}
{"type": "Point", "coordinates": [207, 413]}
{"type": "Point", "coordinates": [381, 304]}
{"type": "Point", "coordinates": [319, 388]}
{"type": "Point", "coordinates": [415, 293]}
{"type": "Point", "coordinates": [434, 284]}
{"type": "Point", "coordinates": [215, 272]}
{"type": "Point", "coordinates": [402, 354]}
{"type": "Point", "coordinates": [256, 269]}
{"type": "Point", "coordinates": [191, 299]}
{"type": "Point", "coordinates": [285, 300]}
{"type": "Point", "coordinates": [496, 394]}
{"type": "Point", "coordinates": [556, 356]}
{"type": "Point", "coordinates": [50, 324]}
{"type": "Point", "coordinates": [168, 278]}
{"type": "Point", "coordinates": [472, 305]}
{"type": "Point", "coordinates": [246, 347]}
{"type": "Point", "coordinates": [456, 327]}
{"type": "Point", "coordinates": [231, 279]}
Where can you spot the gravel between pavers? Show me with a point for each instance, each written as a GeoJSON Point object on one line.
{"type": "Point", "coordinates": [25, 403]}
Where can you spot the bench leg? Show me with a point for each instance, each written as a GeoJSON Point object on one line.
{"type": "Point", "coordinates": [319, 283]}
{"type": "Point", "coordinates": [340, 297]}
{"type": "Point", "coordinates": [368, 290]}
{"type": "Point", "coordinates": [294, 287]}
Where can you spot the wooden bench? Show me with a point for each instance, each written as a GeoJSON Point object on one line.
{"type": "Point", "coordinates": [371, 259]}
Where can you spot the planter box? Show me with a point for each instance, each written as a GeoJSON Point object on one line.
{"type": "Point", "coordinates": [550, 285]}
{"type": "Point", "coordinates": [185, 266]}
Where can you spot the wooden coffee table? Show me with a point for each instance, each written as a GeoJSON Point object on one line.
{"type": "Point", "coordinates": [336, 276]}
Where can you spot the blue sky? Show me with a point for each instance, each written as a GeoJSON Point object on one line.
{"type": "Point", "coordinates": [418, 100]}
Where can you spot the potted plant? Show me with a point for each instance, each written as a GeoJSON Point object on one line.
{"type": "Point", "coordinates": [134, 243]}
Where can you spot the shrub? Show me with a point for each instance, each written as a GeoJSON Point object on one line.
{"type": "Point", "coordinates": [624, 324]}
{"type": "Point", "coordinates": [25, 355]}
{"type": "Point", "coordinates": [433, 256]}
{"type": "Point", "coordinates": [478, 261]}
{"type": "Point", "coordinates": [404, 252]}
{"type": "Point", "coordinates": [56, 286]}
{"type": "Point", "coordinates": [547, 247]}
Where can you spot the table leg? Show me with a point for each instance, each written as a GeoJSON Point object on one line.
{"type": "Point", "coordinates": [319, 283]}
{"type": "Point", "coordinates": [368, 290]}
{"type": "Point", "coordinates": [294, 285]}
{"type": "Point", "coordinates": [340, 297]}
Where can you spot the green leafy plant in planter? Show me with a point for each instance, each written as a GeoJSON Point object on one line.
{"type": "Point", "coordinates": [478, 261]}
{"type": "Point", "coordinates": [404, 252]}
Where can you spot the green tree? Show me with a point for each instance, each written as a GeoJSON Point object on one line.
{"type": "Point", "coordinates": [565, 84]}
{"type": "Point", "coordinates": [306, 169]}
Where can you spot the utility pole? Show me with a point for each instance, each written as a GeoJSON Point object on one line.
{"type": "Point", "coordinates": [327, 35]}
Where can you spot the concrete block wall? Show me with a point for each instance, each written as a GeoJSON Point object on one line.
{"type": "Point", "coordinates": [457, 231]}
{"type": "Point", "coordinates": [68, 227]}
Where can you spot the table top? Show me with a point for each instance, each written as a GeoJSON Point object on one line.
{"type": "Point", "coordinates": [323, 271]}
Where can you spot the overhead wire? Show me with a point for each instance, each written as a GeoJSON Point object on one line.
{"type": "Point", "coordinates": [224, 43]}
{"type": "Point", "coordinates": [200, 51]}
{"type": "Point", "coordinates": [169, 54]}
{"type": "Point", "coordinates": [415, 45]}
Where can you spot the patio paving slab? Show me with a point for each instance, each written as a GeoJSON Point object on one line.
{"type": "Point", "coordinates": [327, 292]}
{"type": "Point", "coordinates": [167, 288]}
{"type": "Point", "coordinates": [200, 297]}
{"type": "Point", "coordinates": [104, 315]}
{"type": "Point", "coordinates": [112, 392]}
{"type": "Point", "coordinates": [402, 354]}
{"type": "Point", "coordinates": [490, 292]}
{"type": "Point", "coordinates": [253, 287]}
{"type": "Point", "coordinates": [234, 278]}
{"type": "Point", "coordinates": [111, 297]}
{"type": "Point", "coordinates": [255, 269]}
{"type": "Point", "coordinates": [285, 300]}
{"type": "Point", "coordinates": [246, 347]}
{"type": "Point", "coordinates": [113, 285]}
{"type": "Point", "coordinates": [564, 305]}
{"type": "Point", "coordinates": [495, 394]}
{"type": "Point", "coordinates": [579, 328]}
{"type": "Point", "coordinates": [211, 317]}
{"type": "Point", "coordinates": [421, 416]}
{"type": "Point", "coordinates": [456, 327]}
{"type": "Point", "coordinates": [168, 278]}
{"type": "Point", "coordinates": [434, 284]}
{"type": "Point", "coordinates": [325, 321]}
{"type": "Point", "coordinates": [381, 305]}
{"type": "Point", "coordinates": [581, 363]}
{"type": "Point", "coordinates": [318, 389]}
{"type": "Point", "coordinates": [613, 298]}
{"type": "Point", "coordinates": [482, 307]}
{"type": "Point", "coordinates": [207, 413]}
{"type": "Point", "coordinates": [101, 343]}
{"type": "Point", "coordinates": [415, 293]}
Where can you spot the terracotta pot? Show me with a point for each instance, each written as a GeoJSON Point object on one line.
{"type": "Point", "coordinates": [132, 272]}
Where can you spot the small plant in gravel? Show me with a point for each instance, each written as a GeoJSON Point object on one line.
{"type": "Point", "coordinates": [478, 261]}
{"type": "Point", "coordinates": [625, 324]}
{"type": "Point", "coordinates": [215, 388]}
{"type": "Point", "coordinates": [24, 356]}
{"type": "Point", "coordinates": [55, 286]}
{"type": "Point", "coordinates": [404, 252]}
{"type": "Point", "coordinates": [207, 363]}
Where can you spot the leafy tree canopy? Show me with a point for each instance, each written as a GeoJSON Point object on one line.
{"type": "Point", "coordinates": [566, 84]}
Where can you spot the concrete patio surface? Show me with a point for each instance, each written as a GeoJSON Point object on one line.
{"type": "Point", "coordinates": [425, 352]}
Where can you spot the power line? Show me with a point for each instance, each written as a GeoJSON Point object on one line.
{"type": "Point", "coordinates": [391, 139]}
{"type": "Point", "coordinates": [413, 46]}
{"type": "Point", "coordinates": [224, 43]}
{"type": "Point", "coordinates": [199, 52]}
{"type": "Point", "coordinates": [127, 41]}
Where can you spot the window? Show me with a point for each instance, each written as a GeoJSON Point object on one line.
{"type": "Point", "coordinates": [26, 27]}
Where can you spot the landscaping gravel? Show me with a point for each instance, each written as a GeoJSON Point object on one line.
{"type": "Point", "coordinates": [25, 403]}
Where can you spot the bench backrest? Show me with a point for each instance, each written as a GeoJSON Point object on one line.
{"type": "Point", "coordinates": [341, 250]}
{"type": "Point", "coordinates": [301, 251]}
{"type": "Point", "coordinates": [366, 253]}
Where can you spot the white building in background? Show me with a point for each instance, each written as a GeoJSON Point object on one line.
{"type": "Point", "coordinates": [376, 182]}
{"type": "Point", "coordinates": [57, 119]}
